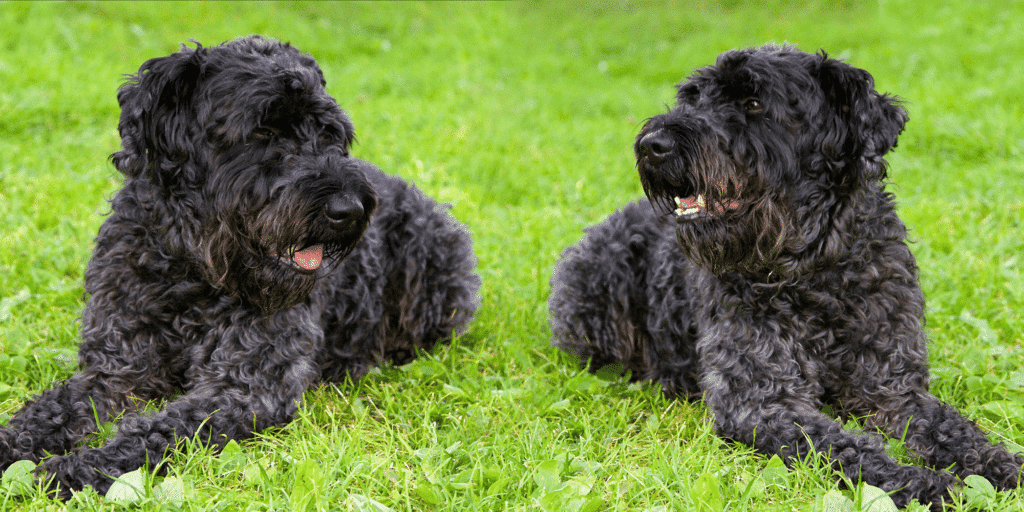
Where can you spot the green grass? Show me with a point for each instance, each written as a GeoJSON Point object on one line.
{"type": "Point", "coordinates": [522, 115]}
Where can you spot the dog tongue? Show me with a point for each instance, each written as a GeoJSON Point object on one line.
{"type": "Point", "coordinates": [310, 257]}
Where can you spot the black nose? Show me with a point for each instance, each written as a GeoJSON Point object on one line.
{"type": "Point", "coordinates": [657, 146]}
{"type": "Point", "coordinates": [343, 211]}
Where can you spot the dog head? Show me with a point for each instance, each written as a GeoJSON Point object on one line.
{"type": "Point", "coordinates": [762, 155]}
{"type": "Point", "coordinates": [243, 148]}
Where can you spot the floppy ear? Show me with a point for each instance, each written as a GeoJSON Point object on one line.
{"type": "Point", "coordinates": [155, 114]}
{"type": "Point", "coordinates": [862, 125]}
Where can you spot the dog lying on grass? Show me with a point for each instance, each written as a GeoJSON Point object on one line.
{"type": "Point", "coordinates": [247, 256]}
{"type": "Point", "coordinates": [769, 274]}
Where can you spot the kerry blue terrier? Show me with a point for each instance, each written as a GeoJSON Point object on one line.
{"type": "Point", "coordinates": [770, 275]}
{"type": "Point", "coordinates": [247, 256]}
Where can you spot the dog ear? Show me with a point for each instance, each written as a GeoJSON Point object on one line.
{"type": "Point", "coordinates": [863, 125]}
{"type": "Point", "coordinates": [154, 112]}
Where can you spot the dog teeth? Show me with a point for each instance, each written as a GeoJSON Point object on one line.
{"type": "Point", "coordinates": [692, 210]}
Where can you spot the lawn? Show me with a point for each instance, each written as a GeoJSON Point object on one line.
{"type": "Point", "coordinates": [521, 115]}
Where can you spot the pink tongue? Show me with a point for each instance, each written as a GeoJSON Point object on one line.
{"type": "Point", "coordinates": [310, 257]}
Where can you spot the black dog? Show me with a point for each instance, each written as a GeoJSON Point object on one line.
{"type": "Point", "coordinates": [247, 257]}
{"type": "Point", "coordinates": [781, 281]}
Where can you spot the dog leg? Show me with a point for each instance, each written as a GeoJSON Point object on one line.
{"type": "Point", "coordinates": [795, 432]}
{"type": "Point", "coordinates": [430, 288]}
{"type": "Point", "coordinates": [55, 421]}
{"type": "Point", "coordinates": [899, 404]}
{"type": "Point", "coordinates": [249, 380]}
{"type": "Point", "coordinates": [599, 292]}
{"type": "Point", "coordinates": [211, 416]}
{"type": "Point", "coordinates": [947, 439]}
{"type": "Point", "coordinates": [763, 398]}
{"type": "Point", "coordinates": [51, 423]}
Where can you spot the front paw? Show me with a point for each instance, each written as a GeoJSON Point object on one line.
{"type": "Point", "coordinates": [65, 474]}
{"type": "Point", "coordinates": [1002, 468]}
{"type": "Point", "coordinates": [936, 489]}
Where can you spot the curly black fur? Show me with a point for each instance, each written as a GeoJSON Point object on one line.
{"type": "Point", "coordinates": [246, 257]}
{"type": "Point", "coordinates": [770, 275]}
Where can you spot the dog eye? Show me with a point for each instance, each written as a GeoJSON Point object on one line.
{"type": "Point", "coordinates": [263, 133]}
{"type": "Point", "coordinates": [753, 106]}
